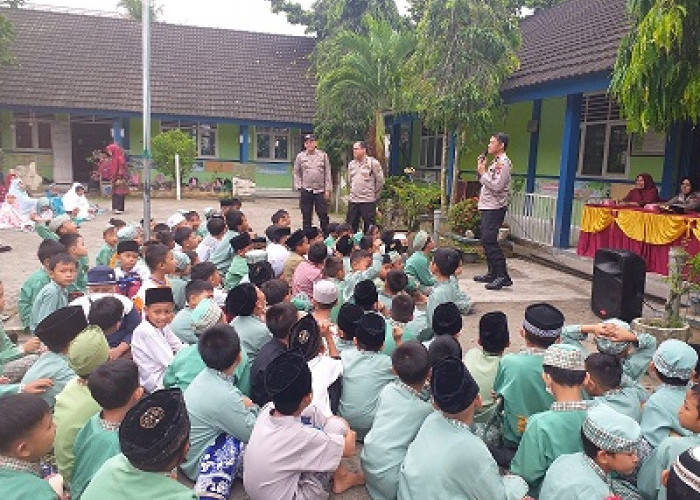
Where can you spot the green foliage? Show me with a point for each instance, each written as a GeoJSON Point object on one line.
{"type": "Point", "coordinates": [464, 216]}
{"type": "Point", "coordinates": [164, 147]}
{"type": "Point", "coordinates": [133, 9]}
{"type": "Point", "coordinates": [683, 277]}
{"type": "Point", "coordinates": [402, 201]}
{"type": "Point", "coordinates": [656, 77]}
{"type": "Point", "coordinates": [7, 33]}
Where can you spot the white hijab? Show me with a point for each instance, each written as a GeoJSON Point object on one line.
{"type": "Point", "coordinates": [72, 200]}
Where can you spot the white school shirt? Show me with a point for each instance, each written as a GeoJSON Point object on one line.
{"type": "Point", "coordinates": [276, 255]}
{"type": "Point", "coordinates": [324, 371]}
{"type": "Point", "coordinates": [153, 350]}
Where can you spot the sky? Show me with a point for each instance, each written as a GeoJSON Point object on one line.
{"type": "Point", "coordinates": [249, 15]}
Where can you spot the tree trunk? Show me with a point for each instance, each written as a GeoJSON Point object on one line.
{"type": "Point", "coordinates": [377, 146]}
{"type": "Point", "coordinates": [443, 174]}
{"type": "Point", "coordinates": [455, 168]}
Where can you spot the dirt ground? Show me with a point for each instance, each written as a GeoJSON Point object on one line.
{"type": "Point", "coordinates": [532, 282]}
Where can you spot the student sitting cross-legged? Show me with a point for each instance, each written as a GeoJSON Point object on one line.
{"type": "Point", "coordinates": [603, 384]}
{"type": "Point", "coordinates": [437, 464]}
{"type": "Point", "coordinates": [247, 303]}
{"type": "Point", "coordinates": [154, 439]}
{"type": "Point", "coordinates": [294, 451]}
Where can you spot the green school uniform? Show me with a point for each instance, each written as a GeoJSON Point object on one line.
{"type": "Point", "coordinates": [483, 367]}
{"type": "Point", "coordinates": [237, 271]}
{"type": "Point", "coordinates": [202, 231]}
{"type": "Point", "coordinates": [80, 282]}
{"type": "Point", "coordinates": [105, 254]}
{"type": "Point", "coordinates": [117, 477]}
{"type": "Point", "coordinates": [547, 436]}
{"type": "Point", "coordinates": [418, 268]}
{"type": "Point", "coordinates": [253, 334]}
{"type": "Point", "coordinates": [519, 381]}
{"type": "Point", "coordinates": [20, 480]}
{"type": "Point", "coordinates": [74, 407]}
{"type": "Point", "coordinates": [183, 328]}
{"type": "Point", "coordinates": [354, 277]}
{"type": "Point", "coordinates": [417, 328]}
{"type": "Point", "coordinates": [339, 286]}
{"type": "Point", "coordinates": [221, 255]}
{"type": "Point", "coordinates": [346, 265]}
{"type": "Point", "coordinates": [624, 400]}
{"type": "Point", "coordinates": [45, 233]}
{"type": "Point", "coordinates": [8, 350]}
{"type": "Point", "coordinates": [384, 298]}
{"type": "Point", "coordinates": [344, 345]}
{"type": "Point", "coordinates": [660, 414]}
{"type": "Point", "coordinates": [27, 294]}
{"type": "Point", "coordinates": [649, 477]}
{"type": "Point", "coordinates": [54, 366]}
{"type": "Point", "coordinates": [329, 241]}
{"type": "Point", "coordinates": [575, 477]}
{"type": "Point", "coordinates": [209, 393]}
{"type": "Point", "coordinates": [49, 299]}
{"type": "Point", "coordinates": [178, 284]}
{"type": "Point", "coordinates": [365, 373]}
{"type": "Point", "coordinates": [447, 291]}
{"type": "Point", "coordinates": [437, 466]}
{"type": "Point", "coordinates": [96, 442]}
{"type": "Point", "coordinates": [400, 414]}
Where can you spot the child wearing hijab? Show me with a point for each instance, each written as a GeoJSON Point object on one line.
{"type": "Point", "coordinates": [25, 203]}
{"type": "Point", "coordinates": [75, 201]}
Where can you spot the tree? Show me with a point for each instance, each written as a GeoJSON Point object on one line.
{"type": "Point", "coordinates": [133, 9]}
{"type": "Point", "coordinates": [369, 68]}
{"type": "Point", "coordinates": [656, 78]}
{"type": "Point", "coordinates": [7, 33]}
{"type": "Point", "coordinates": [166, 145]}
{"type": "Point", "coordinates": [465, 51]}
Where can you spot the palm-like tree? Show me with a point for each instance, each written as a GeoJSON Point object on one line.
{"type": "Point", "coordinates": [133, 9]}
{"type": "Point", "coordinates": [370, 67]}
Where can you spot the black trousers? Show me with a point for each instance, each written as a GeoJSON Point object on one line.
{"type": "Point", "coordinates": [491, 221]}
{"type": "Point", "coordinates": [118, 201]}
{"type": "Point", "coordinates": [307, 201]}
{"type": "Point", "coordinates": [367, 211]}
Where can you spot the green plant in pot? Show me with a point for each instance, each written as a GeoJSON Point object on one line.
{"type": "Point", "coordinates": [683, 278]}
{"type": "Point", "coordinates": [465, 216]}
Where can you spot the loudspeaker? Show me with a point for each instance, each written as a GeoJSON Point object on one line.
{"type": "Point", "coordinates": [619, 277]}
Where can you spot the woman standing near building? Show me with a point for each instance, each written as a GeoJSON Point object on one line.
{"type": "Point", "coordinates": [119, 171]}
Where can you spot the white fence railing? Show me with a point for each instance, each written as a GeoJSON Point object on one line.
{"type": "Point", "coordinates": [531, 217]}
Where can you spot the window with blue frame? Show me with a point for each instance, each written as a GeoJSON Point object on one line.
{"type": "Point", "coordinates": [272, 144]}
{"type": "Point", "coordinates": [204, 135]}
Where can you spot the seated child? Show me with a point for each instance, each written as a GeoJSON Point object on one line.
{"type": "Point", "coordinates": [673, 363]}
{"type": "Point", "coordinates": [37, 280]}
{"type": "Point", "coordinates": [56, 331]}
{"type": "Point", "coordinates": [443, 346]}
{"type": "Point", "coordinates": [394, 284]}
{"type": "Point", "coordinates": [446, 320]}
{"type": "Point", "coordinates": [603, 385]}
{"type": "Point", "coordinates": [365, 373]}
{"type": "Point", "coordinates": [207, 271]}
{"type": "Point", "coordinates": [109, 249]}
{"type": "Point", "coordinates": [281, 218]}
{"type": "Point", "coordinates": [405, 316]}
{"type": "Point", "coordinates": [287, 458]}
{"type": "Point", "coordinates": [195, 291]}
{"type": "Point", "coordinates": [344, 247]}
{"type": "Point", "coordinates": [417, 266]}
{"type": "Point", "coordinates": [10, 353]}
{"type": "Point", "coordinates": [75, 247]}
{"type": "Point", "coordinates": [216, 228]}
{"type": "Point", "coordinates": [365, 266]}
{"type": "Point", "coordinates": [310, 270]}
{"type": "Point", "coordinates": [313, 235]}
{"type": "Point", "coordinates": [279, 319]}
{"type": "Point", "coordinates": [483, 361]}
{"type": "Point", "coordinates": [445, 263]}
{"type": "Point", "coordinates": [237, 271]}
{"type": "Point", "coordinates": [332, 234]}
{"type": "Point", "coordinates": [276, 291]}
{"type": "Point", "coordinates": [519, 378]}
{"type": "Point", "coordinates": [161, 262]}
{"type": "Point", "coordinates": [403, 406]}
{"type": "Point", "coordinates": [247, 303]}
{"type": "Point", "coordinates": [324, 299]}
{"type": "Point", "coordinates": [436, 466]}
{"type": "Point", "coordinates": [179, 279]}
{"type": "Point", "coordinates": [216, 436]}
{"type": "Point", "coordinates": [74, 404]}
{"type": "Point", "coordinates": [348, 318]}
{"type": "Point", "coordinates": [54, 295]}
{"type": "Point", "coordinates": [310, 340]}
{"type": "Point", "coordinates": [366, 296]}
{"type": "Point", "coordinates": [115, 387]}
{"type": "Point", "coordinates": [298, 248]}
{"type": "Point", "coordinates": [26, 435]}
{"type": "Point", "coordinates": [186, 238]}
{"type": "Point", "coordinates": [649, 477]}
{"type": "Point", "coordinates": [681, 480]}
{"type": "Point", "coordinates": [153, 344]}
{"type": "Point", "coordinates": [130, 271]}
{"type": "Point", "coordinates": [556, 431]}
{"type": "Point", "coordinates": [153, 438]}
{"type": "Point", "coordinates": [610, 442]}
{"type": "Point", "coordinates": [195, 223]}
{"type": "Point", "coordinates": [334, 272]}
{"type": "Point", "coordinates": [277, 251]}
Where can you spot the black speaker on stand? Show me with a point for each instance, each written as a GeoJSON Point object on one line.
{"type": "Point", "coordinates": [619, 277]}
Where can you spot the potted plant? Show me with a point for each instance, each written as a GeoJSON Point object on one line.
{"type": "Point", "coordinates": [464, 216]}
{"type": "Point", "coordinates": [683, 278]}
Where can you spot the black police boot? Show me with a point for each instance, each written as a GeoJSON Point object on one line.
{"type": "Point", "coordinates": [488, 277]}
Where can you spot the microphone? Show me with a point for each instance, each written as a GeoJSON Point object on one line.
{"type": "Point", "coordinates": [483, 155]}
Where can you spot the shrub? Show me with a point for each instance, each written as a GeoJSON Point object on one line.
{"type": "Point", "coordinates": [402, 201]}
{"type": "Point", "coordinates": [166, 145]}
{"type": "Point", "coordinates": [464, 216]}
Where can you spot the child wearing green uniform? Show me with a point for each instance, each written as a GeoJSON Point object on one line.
{"type": "Point", "coordinates": [418, 264]}
{"type": "Point", "coordinates": [221, 256]}
{"type": "Point", "coordinates": [649, 477]}
{"type": "Point", "coordinates": [246, 302]}
{"type": "Point", "coordinates": [603, 385]}
{"type": "Point", "coordinates": [54, 295]}
{"type": "Point", "coordinates": [109, 249]}
{"type": "Point", "coordinates": [403, 406]}
{"type": "Point", "coordinates": [609, 442]}
{"type": "Point", "coordinates": [74, 404]}
{"type": "Point", "coordinates": [26, 435]}
{"type": "Point", "coordinates": [37, 280]}
{"type": "Point", "coordinates": [555, 432]}
{"type": "Point", "coordinates": [344, 247]}
{"type": "Point", "coordinates": [519, 379]}
{"type": "Point", "coordinates": [444, 265]}
{"type": "Point", "coordinates": [75, 247]}
{"type": "Point", "coordinates": [216, 436]}
{"type": "Point", "coordinates": [9, 352]}
{"type": "Point", "coordinates": [238, 268]}
{"type": "Point", "coordinates": [115, 387]}
{"type": "Point", "coordinates": [365, 373]}
{"type": "Point", "coordinates": [195, 292]}
{"type": "Point", "coordinates": [56, 331]}
{"type": "Point", "coordinates": [334, 272]}
{"type": "Point", "coordinates": [436, 464]}
{"type": "Point", "coordinates": [348, 318]}
{"type": "Point", "coordinates": [394, 284]}
{"type": "Point", "coordinates": [673, 363]}
{"type": "Point", "coordinates": [153, 438]}
{"type": "Point", "coordinates": [365, 266]}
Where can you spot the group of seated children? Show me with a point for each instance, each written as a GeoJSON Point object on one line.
{"type": "Point", "coordinates": [211, 355]}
